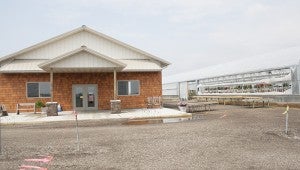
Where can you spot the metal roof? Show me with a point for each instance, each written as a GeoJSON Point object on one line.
{"type": "Point", "coordinates": [140, 65]}
{"type": "Point", "coordinates": [275, 60]}
{"type": "Point", "coordinates": [32, 66]}
{"type": "Point", "coordinates": [22, 66]}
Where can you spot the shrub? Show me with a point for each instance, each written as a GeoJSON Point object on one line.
{"type": "Point", "coordinates": [39, 104]}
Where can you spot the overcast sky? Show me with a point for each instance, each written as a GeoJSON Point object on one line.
{"type": "Point", "coordinates": [191, 34]}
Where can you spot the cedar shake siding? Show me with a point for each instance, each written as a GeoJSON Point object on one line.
{"type": "Point", "coordinates": [13, 88]}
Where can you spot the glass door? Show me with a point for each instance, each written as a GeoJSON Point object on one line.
{"type": "Point", "coordinates": [85, 97]}
{"type": "Point", "coordinates": [78, 96]}
{"type": "Point", "coordinates": [91, 96]}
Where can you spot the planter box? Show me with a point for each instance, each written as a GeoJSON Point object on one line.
{"type": "Point", "coordinates": [52, 108]}
{"type": "Point", "coordinates": [44, 109]}
{"type": "Point", "coordinates": [182, 108]}
{"type": "Point", "coordinates": [115, 106]}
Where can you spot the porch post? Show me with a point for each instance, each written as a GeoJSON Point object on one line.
{"type": "Point", "coordinates": [115, 84]}
{"type": "Point", "coordinates": [51, 84]}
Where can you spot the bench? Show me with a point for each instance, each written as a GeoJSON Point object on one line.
{"type": "Point", "coordinates": [154, 102]}
{"type": "Point", "coordinates": [25, 107]}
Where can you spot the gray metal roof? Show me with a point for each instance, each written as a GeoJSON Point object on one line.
{"type": "Point", "coordinates": [31, 66]}
{"type": "Point", "coordinates": [21, 66]}
{"type": "Point", "coordinates": [278, 59]}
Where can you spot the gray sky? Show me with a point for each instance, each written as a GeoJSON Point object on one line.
{"type": "Point", "coordinates": [191, 34]}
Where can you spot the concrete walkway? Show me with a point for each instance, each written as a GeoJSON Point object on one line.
{"type": "Point", "coordinates": [13, 118]}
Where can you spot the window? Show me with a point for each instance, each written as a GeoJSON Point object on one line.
{"type": "Point", "coordinates": [131, 87]}
{"type": "Point", "coordinates": [39, 89]}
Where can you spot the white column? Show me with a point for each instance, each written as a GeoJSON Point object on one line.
{"type": "Point", "coordinates": [115, 84]}
{"type": "Point", "coordinates": [51, 84]}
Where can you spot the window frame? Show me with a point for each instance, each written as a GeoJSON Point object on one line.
{"type": "Point", "coordinates": [129, 87]}
{"type": "Point", "coordinates": [38, 82]}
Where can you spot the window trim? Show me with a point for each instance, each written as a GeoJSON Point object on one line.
{"type": "Point", "coordinates": [39, 89]}
{"type": "Point", "coordinates": [129, 88]}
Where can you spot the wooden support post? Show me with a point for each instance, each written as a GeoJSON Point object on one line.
{"type": "Point", "coordinates": [115, 84]}
{"type": "Point", "coordinates": [18, 112]}
{"type": "Point", "coordinates": [51, 84]}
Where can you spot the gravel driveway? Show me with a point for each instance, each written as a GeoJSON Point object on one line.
{"type": "Point", "coordinates": [230, 137]}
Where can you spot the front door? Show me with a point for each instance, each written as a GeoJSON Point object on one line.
{"type": "Point", "coordinates": [85, 97]}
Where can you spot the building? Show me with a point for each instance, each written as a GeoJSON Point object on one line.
{"type": "Point", "coordinates": [275, 73]}
{"type": "Point", "coordinates": [81, 69]}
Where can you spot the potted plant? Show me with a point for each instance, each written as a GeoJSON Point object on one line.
{"type": "Point", "coordinates": [41, 105]}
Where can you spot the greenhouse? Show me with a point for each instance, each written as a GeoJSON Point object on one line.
{"type": "Point", "coordinates": [275, 73]}
{"type": "Point", "coordinates": [276, 81]}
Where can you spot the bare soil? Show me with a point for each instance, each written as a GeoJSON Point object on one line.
{"type": "Point", "coordinates": [229, 137]}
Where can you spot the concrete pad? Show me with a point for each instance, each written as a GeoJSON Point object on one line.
{"type": "Point", "coordinates": [13, 118]}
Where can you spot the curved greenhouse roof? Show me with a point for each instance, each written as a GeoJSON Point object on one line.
{"type": "Point", "coordinates": [279, 59]}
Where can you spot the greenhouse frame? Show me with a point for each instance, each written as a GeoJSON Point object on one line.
{"type": "Point", "coordinates": [276, 73]}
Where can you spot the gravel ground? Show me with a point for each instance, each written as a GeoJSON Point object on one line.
{"type": "Point", "coordinates": [230, 137]}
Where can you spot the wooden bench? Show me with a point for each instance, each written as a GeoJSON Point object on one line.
{"type": "Point", "coordinates": [25, 107]}
{"type": "Point", "coordinates": [154, 102]}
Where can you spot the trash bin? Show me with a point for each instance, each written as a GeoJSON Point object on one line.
{"type": "Point", "coordinates": [52, 108]}
{"type": "Point", "coordinates": [115, 106]}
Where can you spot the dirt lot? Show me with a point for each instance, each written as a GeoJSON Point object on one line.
{"type": "Point", "coordinates": [230, 137]}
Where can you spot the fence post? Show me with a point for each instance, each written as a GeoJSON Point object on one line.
{"type": "Point", "coordinates": [286, 119]}
{"type": "Point", "coordinates": [77, 133]}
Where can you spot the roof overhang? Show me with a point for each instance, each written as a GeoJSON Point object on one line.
{"type": "Point", "coordinates": [82, 60]}
{"type": "Point", "coordinates": [141, 66]}
{"type": "Point", "coordinates": [22, 66]}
